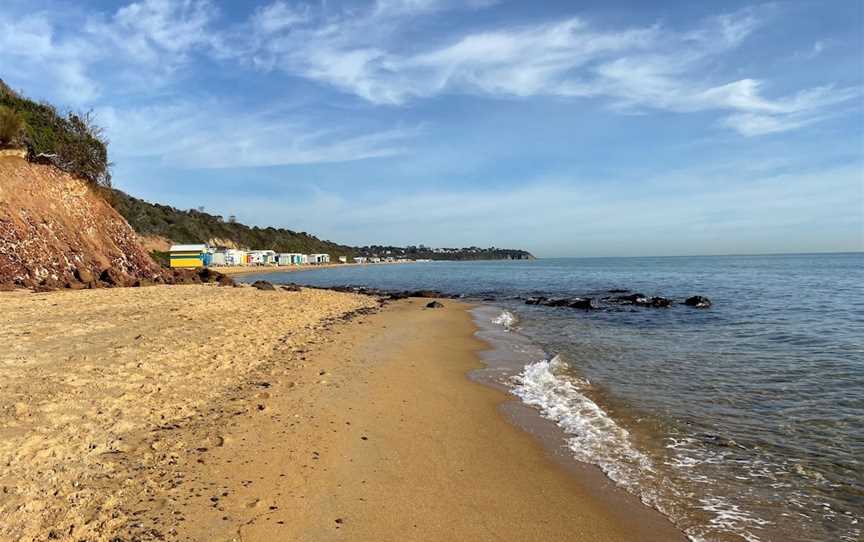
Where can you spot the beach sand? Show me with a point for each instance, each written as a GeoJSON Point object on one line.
{"type": "Point", "coordinates": [272, 424]}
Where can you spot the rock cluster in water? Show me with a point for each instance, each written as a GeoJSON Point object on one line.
{"type": "Point", "coordinates": [634, 299]}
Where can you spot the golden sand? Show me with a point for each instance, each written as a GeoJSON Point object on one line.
{"type": "Point", "coordinates": [94, 385]}
{"type": "Point", "coordinates": [215, 414]}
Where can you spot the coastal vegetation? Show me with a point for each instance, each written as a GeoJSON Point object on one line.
{"type": "Point", "coordinates": [11, 127]}
{"type": "Point", "coordinates": [71, 141]}
{"type": "Point", "coordinates": [198, 226]}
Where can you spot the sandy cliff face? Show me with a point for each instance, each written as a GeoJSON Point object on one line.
{"type": "Point", "coordinates": [56, 231]}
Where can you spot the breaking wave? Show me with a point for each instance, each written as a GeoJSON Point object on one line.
{"type": "Point", "coordinates": [505, 319]}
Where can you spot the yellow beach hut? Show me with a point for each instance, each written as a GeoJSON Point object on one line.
{"type": "Point", "coordinates": [188, 255]}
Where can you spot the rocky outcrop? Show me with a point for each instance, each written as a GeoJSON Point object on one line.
{"type": "Point", "coordinates": [698, 302]}
{"type": "Point", "coordinates": [57, 231]}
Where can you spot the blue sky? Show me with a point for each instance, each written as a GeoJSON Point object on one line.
{"type": "Point", "coordinates": [567, 128]}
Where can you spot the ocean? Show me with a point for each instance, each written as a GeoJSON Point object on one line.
{"type": "Point", "coordinates": [743, 421]}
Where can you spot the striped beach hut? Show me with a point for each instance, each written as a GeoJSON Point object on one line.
{"type": "Point", "coordinates": [189, 256]}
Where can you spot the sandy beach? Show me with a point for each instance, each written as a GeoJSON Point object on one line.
{"type": "Point", "coordinates": [205, 413]}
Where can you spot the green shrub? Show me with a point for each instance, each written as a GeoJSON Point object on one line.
{"type": "Point", "coordinates": [11, 127]}
{"type": "Point", "coordinates": [71, 141]}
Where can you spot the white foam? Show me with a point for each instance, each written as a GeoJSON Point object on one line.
{"type": "Point", "coordinates": [592, 435]}
{"type": "Point", "coordinates": [505, 319]}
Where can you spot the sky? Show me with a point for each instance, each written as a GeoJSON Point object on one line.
{"type": "Point", "coordinates": [590, 128]}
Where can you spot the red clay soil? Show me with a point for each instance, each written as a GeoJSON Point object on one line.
{"type": "Point", "coordinates": [57, 231]}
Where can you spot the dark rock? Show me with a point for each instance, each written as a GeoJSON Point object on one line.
{"type": "Point", "coordinates": [632, 299]}
{"type": "Point", "coordinates": [263, 285]}
{"type": "Point", "coordinates": [84, 275]}
{"type": "Point", "coordinates": [660, 302]}
{"type": "Point", "coordinates": [208, 275]}
{"type": "Point", "coordinates": [225, 280]}
{"type": "Point", "coordinates": [434, 305]}
{"type": "Point", "coordinates": [290, 287]}
{"type": "Point", "coordinates": [585, 303]}
{"type": "Point", "coordinates": [112, 277]}
{"type": "Point", "coordinates": [561, 302]}
{"type": "Point", "coordinates": [698, 302]}
{"type": "Point", "coordinates": [539, 300]}
{"type": "Point", "coordinates": [184, 276]}
{"type": "Point", "coordinates": [618, 291]}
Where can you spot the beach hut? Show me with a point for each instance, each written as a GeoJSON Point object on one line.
{"type": "Point", "coordinates": [319, 258]}
{"type": "Point", "coordinates": [262, 257]}
{"type": "Point", "coordinates": [234, 256]}
{"type": "Point", "coordinates": [218, 257]}
{"type": "Point", "coordinates": [189, 256]}
{"type": "Point", "coordinates": [343, 259]}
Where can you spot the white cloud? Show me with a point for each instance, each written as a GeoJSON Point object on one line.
{"type": "Point", "coordinates": [633, 68]}
{"type": "Point", "coordinates": [31, 52]}
{"type": "Point", "coordinates": [279, 16]}
{"type": "Point", "coordinates": [157, 31]}
{"type": "Point", "coordinates": [212, 135]}
{"type": "Point", "coordinates": [376, 53]}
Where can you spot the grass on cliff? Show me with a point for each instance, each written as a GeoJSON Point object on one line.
{"type": "Point", "coordinates": [70, 141]}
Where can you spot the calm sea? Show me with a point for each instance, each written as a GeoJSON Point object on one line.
{"type": "Point", "coordinates": [744, 421]}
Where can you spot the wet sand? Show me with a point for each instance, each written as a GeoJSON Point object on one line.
{"type": "Point", "coordinates": [157, 413]}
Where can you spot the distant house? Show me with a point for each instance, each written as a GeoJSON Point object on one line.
{"type": "Point", "coordinates": [262, 257]}
{"type": "Point", "coordinates": [319, 258]}
{"type": "Point", "coordinates": [360, 259]}
{"type": "Point", "coordinates": [189, 256]}
{"type": "Point", "coordinates": [218, 256]}
{"type": "Point", "coordinates": [235, 257]}
{"type": "Point", "coordinates": [343, 259]}
{"type": "Point", "coordinates": [291, 258]}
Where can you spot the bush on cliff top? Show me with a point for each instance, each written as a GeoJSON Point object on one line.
{"type": "Point", "coordinates": [70, 141]}
{"type": "Point", "coordinates": [11, 127]}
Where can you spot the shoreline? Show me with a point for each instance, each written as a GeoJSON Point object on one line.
{"type": "Point", "coordinates": [366, 428]}
{"type": "Point", "coordinates": [258, 269]}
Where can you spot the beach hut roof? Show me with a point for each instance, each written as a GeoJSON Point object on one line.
{"type": "Point", "coordinates": [188, 248]}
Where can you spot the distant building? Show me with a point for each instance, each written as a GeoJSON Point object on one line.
{"type": "Point", "coordinates": [343, 259]}
{"type": "Point", "coordinates": [291, 258]}
{"type": "Point", "coordinates": [319, 258]}
{"type": "Point", "coordinates": [218, 256]}
{"type": "Point", "coordinates": [189, 256]}
{"type": "Point", "coordinates": [234, 256]}
{"type": "Point", "coordinates": [262, 257]}
{"type": "Point", "coordinates": [360, 259]}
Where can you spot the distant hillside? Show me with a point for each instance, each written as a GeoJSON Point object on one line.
{"type": "Point", "coordinates": [193, 226]}
{"type": "Point", "coordinates": [459, 254]}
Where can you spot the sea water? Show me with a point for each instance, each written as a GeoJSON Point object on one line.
{"type": "Point", "coordinates": [744, 421]}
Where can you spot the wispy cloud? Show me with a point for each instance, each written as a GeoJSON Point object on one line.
{"type": "Point", "coordinates": [649, 67]}
{"type": "Point", "coordinates": [213, 135]}
{"type": "Point", "coordinates": [362, 51]}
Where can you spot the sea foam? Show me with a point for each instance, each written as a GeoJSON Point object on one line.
{"type": "Point", "coordinates": [592, 435]}
{"type": "Point", "coordinates": [505, 319]}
